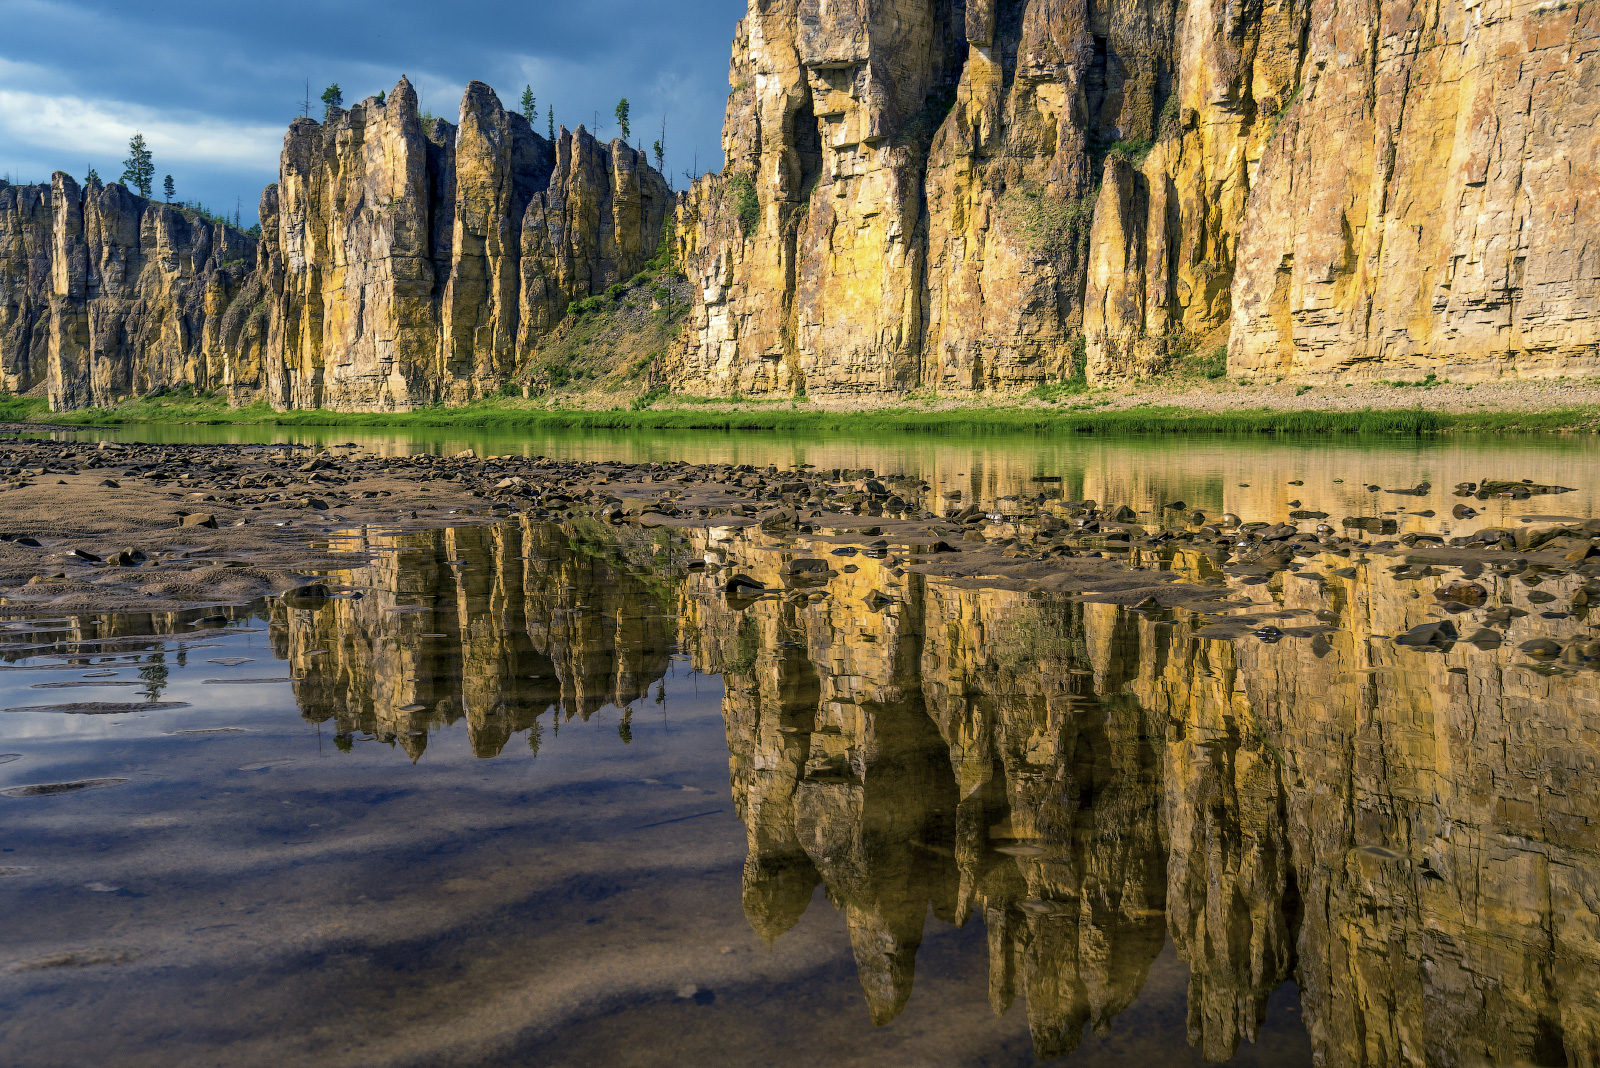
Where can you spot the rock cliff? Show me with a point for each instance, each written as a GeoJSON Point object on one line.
{"type": "Point", "coordinates": [400, 263]}
{"type": "Point", "coordinates": [409, 265]}
{"type": "Point", "coordinates": [106, 295]}
{"type": "Point", "coordinates": [982, 195]}
{"type": "Point", "coordinates": [958, 196]}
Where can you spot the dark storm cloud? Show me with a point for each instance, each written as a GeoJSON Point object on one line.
{"type": "Point", "coordinates": [212, 85]}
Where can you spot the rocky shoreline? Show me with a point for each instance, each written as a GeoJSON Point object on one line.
{"type": "Point", "coordinates": [108, 526]}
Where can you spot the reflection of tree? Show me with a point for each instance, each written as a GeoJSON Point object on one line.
{"type": "Point", "coordinates": [154, 673]}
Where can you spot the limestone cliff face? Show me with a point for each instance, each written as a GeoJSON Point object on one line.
{"type": "Point", "coordinates": [25, 235]}
{"type": "Point", "coordinates": [949, 195]}
{"type": "Point", "coordinates": [398, 265]}
{"type": "Point", "coordinates": [412, 265]}
{"type": "Point", "coordinates": [104, 294]}
{"type": "Point", "coordinates": [902, 198]}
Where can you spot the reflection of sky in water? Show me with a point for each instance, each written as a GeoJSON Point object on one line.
{"type": "Point", "coordinates": [259, 889]}
{"type": "Point", "coordinates": [300, 890]}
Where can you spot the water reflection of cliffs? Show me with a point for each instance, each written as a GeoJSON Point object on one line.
{"type": "Point", "coordinates": [1406, 833]}
{"type": "Point", "coordinates": [493, 624]}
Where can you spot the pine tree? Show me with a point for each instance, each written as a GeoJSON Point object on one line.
{"type": "Point", "coordinates": [93, 177]}
{"type": "Point", "coordinates": [383, 95]}
{"type": "Point", "coordinates": [530, 106]}
{"type": "Point", "coordinates": [137, 170]}
{"type": "Point", "coordinates": [332, 97]}
{"type": "Point", "coordinates": [167, 187]}
{"type": "Point", "coordinates": [551, 118]}
{"type": "Point", "coordinates": [661, 156]}
{"type": "Point", "coordinates": [622, 117]}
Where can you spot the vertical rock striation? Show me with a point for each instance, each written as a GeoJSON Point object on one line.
{"type": "Point", "coordinates": [967, 196]}
{"type": "Point", "coordinates": [105, 295]}
{"type": "Point", "coordinates": [413, 263]}
{"type": "Point", "coordinates": [400, 263]}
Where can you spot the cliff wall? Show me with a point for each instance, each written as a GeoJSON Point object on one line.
{"type": "Point", "coordinates": [399, 263]}
{"type": "Point", "coordinates": [982, 195]}
{"type": "Point", "coordinates": [105, 295]}
{"type": "Point", "coordinates": [412, 264]}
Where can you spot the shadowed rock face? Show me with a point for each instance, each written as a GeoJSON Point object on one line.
{"type": "Point", "coordinates": [951, 196]}
{"type": "Point", "coordinates": [105, 295]}
{"type": "Point", "coordinates": [1401, 830]}
{"type": "Point", "coordinates": [398, 265]}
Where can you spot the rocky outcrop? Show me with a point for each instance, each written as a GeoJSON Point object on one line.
{"type": "Point", "coordinates": [106, 295]}
{"type": "Point", "coordinates": [411, 265]}
{"type": "Point", "coordinates": [399, 263]}
{"type": "Point", "coordinates": [25, 236]}
{"type": "Point", "coordinates": [967, 196]}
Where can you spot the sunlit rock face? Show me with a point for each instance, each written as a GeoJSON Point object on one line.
{"type": "Point", "coordinates": [414, 263]}
{"type": "Point", "coordinates": [400, 263]}
{"type": "Point", "coordinates": [959, 196]}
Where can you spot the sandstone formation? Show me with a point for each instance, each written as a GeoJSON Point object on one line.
{"type": "Point", "coordinates": [967, 196]}
{"type": "Point", "coordinates": [398, 265]}
{"type": "Point", "coordinates": [408, 266]}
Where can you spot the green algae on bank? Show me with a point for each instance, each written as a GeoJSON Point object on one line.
{"type": "Point", "coordinates": [512, 415]}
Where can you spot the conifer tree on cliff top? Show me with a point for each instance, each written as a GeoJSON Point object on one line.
{"type": "Point", "coordinates": [551, 118]}
{"type": "Point", "coordinates": [530, 106]}
{"type": "Point", "coordinates": [622, 117]}
{"type": "Point", "coordinates": [167, 187]}
{"type": "Point", "coordinates": [332, 97]}
{"type": "Point", "coordinates": [137, 170]}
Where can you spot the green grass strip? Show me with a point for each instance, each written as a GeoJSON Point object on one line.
{"type": "Point", "coordinates": [501, 415]}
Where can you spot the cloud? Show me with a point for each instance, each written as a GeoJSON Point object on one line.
{"type": "Point", "coordinates": [101, 128]}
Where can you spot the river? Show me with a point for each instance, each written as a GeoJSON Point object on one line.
{"type": "Point", "coordinates": [534, 793]}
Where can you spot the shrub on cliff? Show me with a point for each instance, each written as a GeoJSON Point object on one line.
{"type": "Point", "coordinates": [1045, 225]}
{"type": "Point", "coordinates": [746, 204]}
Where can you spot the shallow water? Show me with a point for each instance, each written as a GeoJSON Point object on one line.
{"type": "Point", "coordinates": [537, 797]}
{"type": "Point", "coordinates": [1248, 475]}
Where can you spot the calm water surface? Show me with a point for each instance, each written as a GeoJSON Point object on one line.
{"type": "Point", "coordinates": [535, 797]}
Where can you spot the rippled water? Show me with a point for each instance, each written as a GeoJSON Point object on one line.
{"type": "Point", "coordinates": [538, 796]}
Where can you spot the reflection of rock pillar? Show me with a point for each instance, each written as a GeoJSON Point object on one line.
{"type": "Point", "coordinates": [1227, 883]}
{"type": "Point", "coordinates": [870, 836]}
{"type": "Point", "coordinates": [768, 731]}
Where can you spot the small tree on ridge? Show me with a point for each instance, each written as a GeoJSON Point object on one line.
{"type": "Point", "coordinates": [622, 117]}
{"type": "Point", "coordinates": [530, 106]}
{"type": "Point", "coordinates": [167, 187]}
{"type": "Point", "coordinates": [332, 97]}
{"type": "Point", "coordinates": [137, 170]}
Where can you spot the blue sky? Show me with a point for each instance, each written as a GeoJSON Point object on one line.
{"type": "Point", "coordinates": [213, 85]}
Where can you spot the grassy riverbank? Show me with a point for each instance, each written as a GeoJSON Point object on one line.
{"type": "Point", "coordinates": [511, 415]}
